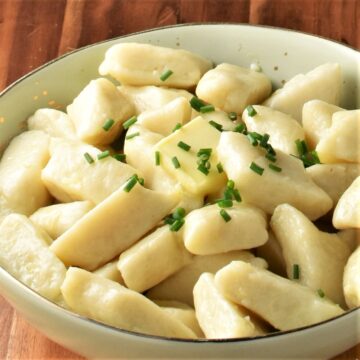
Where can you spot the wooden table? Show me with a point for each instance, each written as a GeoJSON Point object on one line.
{"type": "Point", "coordinates": [33, 32]}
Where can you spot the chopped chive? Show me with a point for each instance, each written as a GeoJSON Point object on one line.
{"type": "Point", "coordinates": [270, 150]}
{"type": "Point", "coordinates": [128, 137]}
{"type": "Point", "coordinates": [252, 139]}
{"type": "Point", "coordinates": [120, 157]}
{"type": "Point", "coordinates": [177, 127]}
{"type": "Point", "coordinates": [141, 181]}
{"type": "Point", "coordinates": [315, 156]}
{"type": "Point", "coordinates": [256, 168]}
{"type": "Point", "coordinates": [232, 115]}
{"type": "Point", "coordinates": [169, 220]}
{"type": "Point", "coordinates": [176, 226]}
{"type": "Point", "coordinates": [157, 158]}
{"type": "Point", "coordinates": [230, 184]}
{"type": "Point", "coordinates": [103, 155]}
{"type": "Point", "coordinates": [251, 111]}
{"type": "Point", "coordinates": [225, 215]}
{"type": "Point", "coordinates": [256, 135]}
{"type": "Point", "coordinates": [130, 122]}
{"type": "Point", "coordinates": [228, 194]}
{"type": "Point", "coordinates": [270, 157]}
{"type": "Point", "coordinates": [108, 124]}
{"type": "Point", "coordinates": [225, 203]}
{"type": "Point", "coordinates": [220, 168]}
{"type": "Point", "coordinates": [166, 74]}
{"type": "Point", "coordinates": [240, 128]}
{"type": "Point", "coordinates": [216, 125]}
{"type": "Point", "coordinates": [237, 195]}
{"type": "Point", "coordinates": [175, 162]}
{"type": "Point", "coordinates": [183, 146]}
{"type": "Point", "coordinates": [131, 183]}
{"type": "Point", "coordinates": [301, 147]}
{"type": "Point", "coordinates": [275, 168]}
{"type": "Point", "coordinates": [207, 164]}
{"type": "Point", "coordinates": [203, 169]}
{"type": "Point", "coordinates": [196, 103]}
{"type": "Point", "coordinates": [202, 159]}
{"type": "Point", "coordinates": [264, 140]}
{"type": "Point", "coordinates": [207, 108]}
{"type": "Point", "coordinates": [88, 158]}
{"type": "Point", "coordinates": [296, 272]}
{"type": "Point", "coordinates": [179, 213]}
{"type": "Point", "coordinates": [321, 293]}
{"type": "Point", "coordinates": [205, 151]}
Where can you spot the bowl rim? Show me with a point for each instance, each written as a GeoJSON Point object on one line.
{"type": "Point", "coordinates": [114, 329]}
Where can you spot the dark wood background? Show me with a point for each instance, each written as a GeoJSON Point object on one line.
{"type": "Point", "coordinates": [33, 32]}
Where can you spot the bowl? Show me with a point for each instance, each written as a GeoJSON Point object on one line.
{"type": "Point", "coordinates": [281, 54]}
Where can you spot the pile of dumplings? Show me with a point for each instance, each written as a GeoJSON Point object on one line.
{"type": "Point", "coordinates": [184, 200]}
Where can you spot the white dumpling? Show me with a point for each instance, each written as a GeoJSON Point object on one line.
{"type": "Point", "coordinates": [144, 64]}
{"type": "Point", "coordinates": [110, 271]}
{"type": "Point", "coordinates": [100, 101]}
{"type": "Point", "coordinates": [352, 280]}
{"type": "Point", "coordinates": [322, 83]}
{"type": "Point", "coordinates": [232, 88]}
{"type": "Point", "coordinates": [20, 172]}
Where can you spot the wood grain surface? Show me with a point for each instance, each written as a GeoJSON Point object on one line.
{"type": "Point", "coordinates": [33, 32]}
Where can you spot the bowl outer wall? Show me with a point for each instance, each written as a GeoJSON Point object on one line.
{"type": "Point", "coordinates": [281, 54]}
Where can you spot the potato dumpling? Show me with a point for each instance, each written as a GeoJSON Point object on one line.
{"type": "Point", "coordinates": [182, 163]}
{"type": "Point", "coordinates": [110, 271]}
{"type": "Point", "coordinates": [101, 299]}
{"type": "Point", "coordinates": [320, 256]}
{"type": "Point", "coordinates": [317, 119]}
{"type": "Point", "coordinates": [149, 98]}
{"type": "Point", "coordinates": [334, 179]}
{"type": "Point", "coordinates": [347, 211]}
{"type": "Point", "coordinates": [53, 122]}
{"type": "Point", "coordinates": [232, 88]}
{"type": "Point", "coordinates": [20, 172]}
{"type": "Point", "coordinates": [112, 226]}
{"type": "Point", "coordinates": [322, 83]}
{"type": "Point", "coordinates": [291, 185]}
{"type": "Point", "coordinates": [206, 232]}
{"type": "Point", "coordinates": [99, 111]}
{"type": "Point", "coordinates": [56, 219]}
{"type": "Point", "coordinates": [153, 259]}
{"type": "Point", "coordinates": [5, 208]}
{"type": "Point", "coordinates": [180, 285]}
{"type": "Point", "coordinates": [144, 64]}
{"type": "Point", "coordinates": [352, 280]}
{"type": "Point", "coordinates": [340, 143]}
{"type": "Point", "coordinates": [24, 253]}
{"type": "Point", "coordinates": [282, 128]}
{"type": "Point", "coordinates": [218, 317]}
{"type": "Point", "coordinates": [351, 237]}
{"type": "Point", "coordinates": [283, 303]}
{"type": "Point", "coordinates": [69, 176]}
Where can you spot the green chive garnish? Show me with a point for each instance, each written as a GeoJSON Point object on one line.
{"type": "Point", "coordinates": [252, 139]}
{"type": "Point", "coordinates": [205, 151]}
{"type": "Point", "coordinates": [230, 184]}
{"type": "Point", "coordinates": [225, 203]}
{"type": "Point", "coordinates": [240, 129]}
{"type": "Point", "coordinates": [271, 157]}
{"type": "Point", "coordinates": [141, 181]}
{"type": "Point", "coordinates": [220, 168]}
{"type": "Point", "coordinates": [175, 162]}
{"type": "Point", "coordinates": [228, 194]}
{"type": "Point", "coordinates": [196, 103]}
{"type": "Point", "coordinates": [165, 75]}
{"type": "Point", "coordinates": [237, 195]}
{"type": "Point", "coordinates": [108, 124]}
{"type": "Point", "coordinates": [256, 168]}
{"type": "Point", "coordinates": [131, 183]}
{"type": "Point", "coordinates": [225, 215]}
{"type": "Point", "coordinates": [275, 168]}
{"type": "Point", "coordinates": [128, 137]}
{"type": "Point", "coordinates": [120, 157]}
{"type": "Point", "coordinates": [264, 140]}
{"type": "Point", "coordinates": [207, 108]}
{"type": "Point", "coordinates": [232, 115]}
{"type": "Point", "coordinates": [301, 147]}
{"type": "Point", "coordinates": [183, 146]}
{"type": "Point", "coordinates": [177, 224]}
{"type": "Point", "coordinates": [216, 125]}
{"type": "Point", "coordinates": [296, 272]}
{"type": "Point", "coordinates": [203, 169]}
{"type": "Point", "coordinates": [270, 150]}
{"type": "Point", "coordinates": [157, 158]}
{"type": "Point", "coordinates": [103, 155]}
{"type": "Point", "coordinates": [315, 156]}
{"type": "Point", "coordinates": [130, 122]}
{"type": "Point", "coordinates": [177, 127]}
{"type": "Point", "coordinates": [321, 293]}
{"type": "Point", "coordinates": [251, 111]}
{"type": "Point", "coordinates": [88, 158]}
{"type": "Point", "coordinates": [179, 213]}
